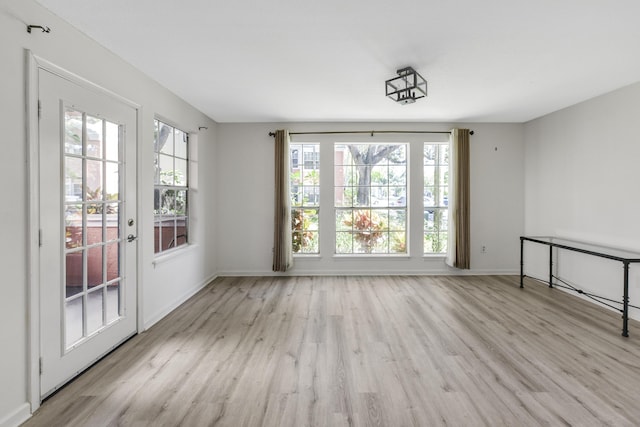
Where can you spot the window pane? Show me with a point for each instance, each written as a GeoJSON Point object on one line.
{"type": "Point", "coordinates": [398, 242]}
{"type": "Point", "coordinates": [93, 189]}
{"type": "Point", "coordinates": [429, 154]}
{"type": "Point", "coordinates": [166, 170]}
{"type": "Point", "coordinates": [443, 154]}
{"type": "Point", "coordinates": [382, 216]}
{"type": "Point", "coordinates": [94, 224]}
{"type": "Point", "coordinates": [344, 242]}
{"type": "Point", "coordinates": [94, 311]}
{"type": "Point", "coordinates": [167, 202]}
{"type": "Point", "coordinates": [436, 197]}
{"type": "Point", "coordinates": [304, 184]}
{"type": "Point", "coordinates": [164, 234]}
{"type": "Point", "coordinates": [397, 196]}
{"type": "Point", "coordinates": [304, 224]}
{"type": "Point", "coordinates": [94, 266]}
{"type": "Point", "coordinates": [441, 196]}
{"type": "Point", "coordinates": [180, 177]}
{"type": "Point", "coordinates": [73, 226]}
{"type": "Point", "coordinates": [113, 261]}
{"type": "Point", "coordinates": [157, 237]}
{"type": "Point", "coordinates": [181, 144]}
{"type": "Point", "coordinates": [435, 242]}
{"type": "Point", "coordinates": [112, 181]}
{"type": "Point", "coordinates": [73, 271]}
{"type": "Point", "coordinates": [311, 177]}
{"type": "Point", "coordinates": [156, 136]}
{"type": "Point", "coordinates": [296, 195]}
{"type": "Point", "coordinates": [343, 196]}
{"type": "Point", "coordinates": [397, 219]}
{"type": "Point", "coordinates": [113, 221]}
{"type": "Point", "coordinates": [181, 232]}
{"type": "Point", "coordinates": [428, 196]}
{"type": "Point", "coordinates": [380, 175]}
{"type": "Point", "coordinates": [370, 175]}
{"type": "Point", "coordinates": [73, 179]}
{"type": "Point", "coordinates": [181, 202]}
{"type": "Point", "coordinates": [165, 139]}
{"type": "Point", "coordinates": [94, 137]}
{"type": "Point", "coordinates": [73, 132]}
{"type": "Point", "coordinates": [157, 201]}
{"type": "Point", "coordinates": [380, 196]}
{"type": "Point", "coordinates": [397, 175]}
{"type": "Point", "coordinates": [311, 196]}
{"type": "Point", "coordinates": [381, 244]}
{"type": "Point", "coordinates": [362, 196]}
{"type": "Point", "coordinates": [444, 175]}
{"type": "Point", "coordinates": [343, 175]}
{"type": "Point", "coordinates": [156, 169]}
{"type": "Point", "coordinates": [344, 219]}
{"type": "Point", "coordinates": [429, 175]}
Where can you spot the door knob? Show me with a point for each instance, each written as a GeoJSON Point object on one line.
{"type": "Point", "coordinates": [131, 238]}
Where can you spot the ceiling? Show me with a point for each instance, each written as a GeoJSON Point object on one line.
{"type": "Point", "coordinates": [304, 60]}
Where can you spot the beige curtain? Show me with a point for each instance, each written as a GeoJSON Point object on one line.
{"type": "Point", "coordinates": [459, 247]}
{"type": "Point", "coordinates": [282, 249]}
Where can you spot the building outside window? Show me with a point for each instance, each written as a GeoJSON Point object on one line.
{"type": "Point", "coordinates": [436, 197]}
{"type": "Point", "coordinates": [171, 190]}
{"type": "Point", "coordinates": [370, 198]}
{"type": "Point", "coordinates": [305, 197]}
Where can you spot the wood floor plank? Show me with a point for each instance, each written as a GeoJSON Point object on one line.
{"type": "Point", "coordinates": [365, 351]}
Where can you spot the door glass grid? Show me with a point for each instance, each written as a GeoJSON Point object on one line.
{"type": "Point", "coordinates": [92, 224]}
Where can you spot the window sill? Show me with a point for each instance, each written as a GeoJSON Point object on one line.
{"type": "Point", "coordinates": [433, 256]}
{"type": "Point", "coordinates": [371, 256]}
{"type": "Point", "coordinates": [307, 256]}
{"type": "Point", "coordinates": [173, 253]}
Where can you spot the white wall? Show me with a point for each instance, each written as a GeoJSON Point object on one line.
{"type": "Point", "coordinates": [163, 286]}
{"type": "Point", "coordinates": [245, 202]}
{"type": "Point", "coordinates": [581, 182]}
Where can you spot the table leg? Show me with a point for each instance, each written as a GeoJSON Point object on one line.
{"type": "Point", "coordinates": [625, 302]}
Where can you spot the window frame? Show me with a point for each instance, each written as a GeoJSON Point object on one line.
{"type": "Point", "coordinates": [180, 218]}
{"type": "Point", "coordinates": [440, 205]}
{"type": "Point", "coordinates": [370, 215]}
{"type": "Point", "coordinates": [299, 224]}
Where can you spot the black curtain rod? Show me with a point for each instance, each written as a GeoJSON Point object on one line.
{"type": "Point", "coordinates": [371, 132]}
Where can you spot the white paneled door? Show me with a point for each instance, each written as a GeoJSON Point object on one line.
{"type": "Point", "coordinates": [87, 175]}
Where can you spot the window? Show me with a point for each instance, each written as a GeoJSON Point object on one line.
{"type": "Point", "coordinates": [305, 197]}
{"type": "Point", "coordinates": [436, 197]}
{"type": "Point", "coordinates": [171, 191]}
{"type": "Point", "coordinates": [370, 198]}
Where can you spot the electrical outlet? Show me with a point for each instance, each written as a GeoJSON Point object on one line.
{"type": "Point", "coordinates": [483, 249]}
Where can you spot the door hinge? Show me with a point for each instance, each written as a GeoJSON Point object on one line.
{"type": "Point", "coordinates": [40, 237]}
{"type": "Point", "coordinates": [39, 108]}
{"type": "Point", "coordinates": [40, 362]}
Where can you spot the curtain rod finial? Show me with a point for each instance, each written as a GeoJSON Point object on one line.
{"type": "Point", "coordinates": [272, 134]}
{"type": "Point", "coordinates": [471, 132]}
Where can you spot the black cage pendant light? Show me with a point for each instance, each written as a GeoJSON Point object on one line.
{"type": "Point", "coordinates": [407, 87]}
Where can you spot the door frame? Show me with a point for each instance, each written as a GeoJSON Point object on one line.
{"type": "Point", "coordinates": [34, 64]}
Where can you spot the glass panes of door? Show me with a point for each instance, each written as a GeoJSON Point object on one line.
{"type": "Point", "coordinates": [92, 224]}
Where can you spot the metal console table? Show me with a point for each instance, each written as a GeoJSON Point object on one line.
{"type": "Point", "coordinates": [625, 257]}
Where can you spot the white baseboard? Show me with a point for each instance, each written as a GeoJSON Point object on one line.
{"type": "Point", "coordinates": [369, 272]}
{"type": "Point", "coordinates": [168, 309]}
{"type": "Point", "coordinates": [17, 417]}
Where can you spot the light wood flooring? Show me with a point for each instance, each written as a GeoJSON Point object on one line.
{"type": "Point", "coordinates": [366, 351]}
